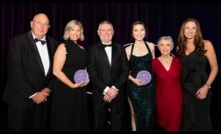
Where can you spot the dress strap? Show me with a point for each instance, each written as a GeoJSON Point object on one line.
{"type": "Point", "coordinates": [132, 48]}
{"type": "Point", "coordinates": [148, 48]}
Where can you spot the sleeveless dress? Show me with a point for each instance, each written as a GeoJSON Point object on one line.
{"type": "Point", "coordinates": [69, 110]}
{"type": "Point", "coordinates": [194, 76]}
{"type": "Point", "coordinates": [169, 96]}
{"type": "Point", "coordinates": [142, 97]}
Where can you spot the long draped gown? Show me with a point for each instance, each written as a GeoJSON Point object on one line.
{"type": "Point", "coordinates": [69, 110]}
{"type": "Point", "coordinates": [194, 76]}
{"type": "Point", "coordinates": [169, 96]}
{"type": "Point", "coordinates": [142, 97]}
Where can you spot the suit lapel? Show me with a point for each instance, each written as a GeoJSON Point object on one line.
{"type": "Point", "coordinates": [49, 54]}
{"type": "Point", "coordinates": [103, 54]}
{"type": "Point", "coordinates": [37, 55]}
{"type": "Point", "coordinates": [114, 54]}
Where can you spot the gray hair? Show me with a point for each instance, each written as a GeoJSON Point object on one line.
{"type": "Point", "coordinates": [169, 38]}
{"type": "Point", "coordinates": [68, 28]}
{"type": "Point", "coordinates": [105, 22]}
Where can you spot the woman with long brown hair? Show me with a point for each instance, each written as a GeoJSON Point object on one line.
{"type": "Point", "coordinates": [195, 53]}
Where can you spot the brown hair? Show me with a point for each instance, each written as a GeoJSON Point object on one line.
{"type": "Point", "coordinates": [182, 40]}
{"type": "Point", "coordinates": [138, 23]}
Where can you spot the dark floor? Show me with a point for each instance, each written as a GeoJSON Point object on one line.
{"type": "Point", "coordinates": [215, 117]}
{"type": "Point", "coordinates": [3, 117]}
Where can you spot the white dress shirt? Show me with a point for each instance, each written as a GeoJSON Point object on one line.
{"type": "Point", "coordinates": [43, 52]}
{"type": "Point", "coordinates": [108, 51]}
{"type": "Point", "coordinates": [109, 55]}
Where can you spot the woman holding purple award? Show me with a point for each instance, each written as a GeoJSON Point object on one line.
{"type": "Point", "coordinates": [169, 97]}
{"type": "Point", "coordinates": [69, 100]}
{"type": "Point", "coordinates": [141, 85]}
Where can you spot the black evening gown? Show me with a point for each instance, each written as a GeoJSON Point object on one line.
{"type": "Point", "coordinates": [69, 110]}
{"type": "Point", "coordinates": [142, 97]}
{"type": "Point", "coordinates": [194, 76]}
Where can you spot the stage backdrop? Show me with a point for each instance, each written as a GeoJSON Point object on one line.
{"type": "Point", "coordinates": [160, 19]}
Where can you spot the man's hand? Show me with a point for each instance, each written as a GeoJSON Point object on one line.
{"type": "Point", "coordinates": [47, 91]}
{"type": "Point", "coordinates": [40, 97]}
{"type": "Point", "coordinates": [112, 92]}
{"type": "Point", "coordinates": [107, 98]}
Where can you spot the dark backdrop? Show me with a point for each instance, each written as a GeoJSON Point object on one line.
{"type": "Point", "coordinates": [160, 19]}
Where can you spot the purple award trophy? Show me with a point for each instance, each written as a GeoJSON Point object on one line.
{"type": "Point", "coordinates": [81, 76]}
{"type": "Point", "coordinates": [144, 76]}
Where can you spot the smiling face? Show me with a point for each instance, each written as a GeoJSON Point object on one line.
{"type": "Point", "coordinates": [138, 32]}
{"type": "Point", "coordinates": [105, 32]}
{"type": "Point", "coordinates": [190, 30]}
{"type": "Point", "coordinates": [40, 25]}
{"type": "Point", "coordinates": [165, 47]}
{"type": "Point", "coordinates": [75, 33]}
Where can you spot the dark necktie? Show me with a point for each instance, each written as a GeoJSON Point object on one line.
{"type": "Point", "coordinates": [42, 41]}
{"type": "Point", "coordinates": [109, 45]}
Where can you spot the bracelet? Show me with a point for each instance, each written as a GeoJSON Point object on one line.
{"type": "Point", "coordinates": [208, 85]}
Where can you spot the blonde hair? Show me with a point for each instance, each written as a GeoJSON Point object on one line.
{"type": "Point", "coordinates": [69, 26]}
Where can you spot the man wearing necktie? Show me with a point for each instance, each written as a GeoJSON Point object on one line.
{"type": "Point", "coordinates": [30, 77]}
{"type": "Point", "coordinates": [108, 71]}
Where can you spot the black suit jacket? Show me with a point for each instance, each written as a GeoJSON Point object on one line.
{"type": "Point", "coordinates": [25, 70]}
{"type": "Point", "coordinates": [103, 74]}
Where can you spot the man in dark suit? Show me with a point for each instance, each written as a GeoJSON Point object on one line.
{"type": "Point", "coordinates": [108, 71]}
{"type": "Point", "coordinates": [30, 77]}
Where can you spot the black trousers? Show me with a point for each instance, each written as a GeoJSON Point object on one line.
{"type": "Point", "coordinates": [35, 118]}
{"type": "Point", "coordinates": [108, 116]}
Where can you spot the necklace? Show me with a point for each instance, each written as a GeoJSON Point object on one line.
{"type": "Point", "coordinates": [166, 60]}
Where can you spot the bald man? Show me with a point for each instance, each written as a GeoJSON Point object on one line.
{"type": "Point", "coordinates": [30, 77]}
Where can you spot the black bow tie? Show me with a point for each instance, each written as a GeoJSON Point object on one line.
{"type": "Point", "coordinates": [42, 41]}
{"type": "Point", "coordinates": [109, 45]}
